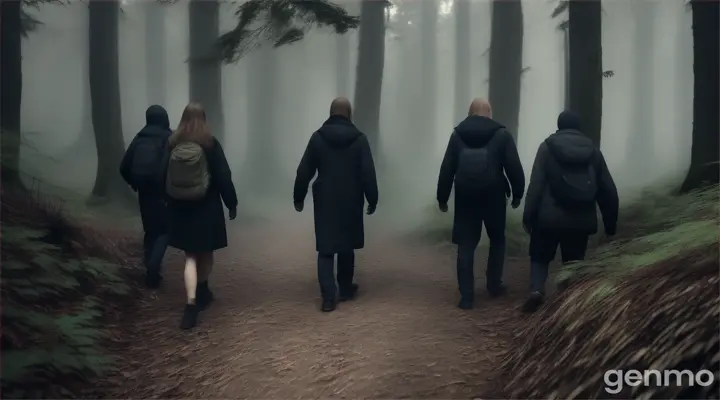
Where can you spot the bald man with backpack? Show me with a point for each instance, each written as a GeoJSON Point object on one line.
{"type": "Point", "coordinates": [480, 159]}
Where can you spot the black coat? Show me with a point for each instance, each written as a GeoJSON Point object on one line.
{"type": "Point", "coordinates": [542, 212]}
{"type": "Point", "coordinates": [153, 210]}
{"type": "Point", "coordinates": [470, 208]}
{"type": "Point", "coordinates": [199, 226]}
{"type": "Point", "coordinates": [341, 155]}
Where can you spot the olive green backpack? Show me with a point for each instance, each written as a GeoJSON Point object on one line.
{"type": "Point", "coordinates": [188, 177]}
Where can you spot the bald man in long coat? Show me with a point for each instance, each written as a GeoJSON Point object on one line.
{"type": "Point", "coordinates": [479, 156]}
{"type": "Point", "coordinates": [340, 154]}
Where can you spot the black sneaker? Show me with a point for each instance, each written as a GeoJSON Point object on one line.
{"type": "Point", "coordinates": [204, 296]}
{"type": "Point", "coordinates": [465, 304]}
{"type": "Point", "coordinates": [328, 305]}
{"type": "Point", "coordinates": [189, 318]}
{"type": "Point", "coordinates": [498, 291]}
{"type": "Point", "coordinates": [153, 281]}
{"type": "Point", "coordinates": [534, 302]}
{"type": "Point", "coordinates": [348, 294]}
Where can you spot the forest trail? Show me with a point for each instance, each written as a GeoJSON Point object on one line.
{"type": "Point", "coordinates": [264, 336]}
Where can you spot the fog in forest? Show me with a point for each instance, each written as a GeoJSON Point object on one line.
{"type": "Point", "coordinates": [274, 99]}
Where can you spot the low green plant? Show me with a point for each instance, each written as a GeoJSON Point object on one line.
{"type": "Point", "coordinates": [655, 228]}
{"type": "Point", "coordinates": [53, 304]}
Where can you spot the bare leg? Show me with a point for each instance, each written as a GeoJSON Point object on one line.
{"type": "Point", "coordinates": [191, 276]}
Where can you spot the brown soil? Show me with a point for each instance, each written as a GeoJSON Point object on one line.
{"type": "Point", "coordinates": [264, 336]}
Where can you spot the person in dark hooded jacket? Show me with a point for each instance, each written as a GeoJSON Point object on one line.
{"type": "Point", "coordinates": [142, 168]}
{"type": "Point", "coordinates": [479, 156]}
{"type": "Point", "coordinates": [341, 156]}
{"type": "Point", "coordinates": [569, 177]}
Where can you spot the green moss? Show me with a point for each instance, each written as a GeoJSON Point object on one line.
{"type": "Point", "coordinates": [656, 228]}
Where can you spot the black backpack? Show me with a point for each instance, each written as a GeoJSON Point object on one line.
{"type": "Point", "coordinates": [147, 167]}
{"type": "Point", "coordinates": [574, 186]}
{"type": "Point", "coordinates": [478, 169]}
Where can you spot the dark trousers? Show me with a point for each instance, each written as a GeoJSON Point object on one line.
{"type": "Point", "coordinates": [326, 273]}
{"type": "Point", "coordinates": [495, 229]}
{"type": "Point", "coordinates": [154, 247]}
{"type": "Point", "coordinates": [543, 248]}
{"type": "Point", "coordinates": [154, 214]}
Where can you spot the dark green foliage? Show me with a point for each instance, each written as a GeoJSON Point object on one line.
{"type": "Point", "coordinates": [28, 23]}
{"type": "Point", "coordinates": [280, 22]}
{"type": "Point", "coordinates": [52, 303]}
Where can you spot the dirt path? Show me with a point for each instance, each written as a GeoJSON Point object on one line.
{"type": "Point", "coordinates": [264, 337]}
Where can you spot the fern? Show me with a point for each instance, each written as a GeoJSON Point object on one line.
{"type": "Point", "coordinates": [52, 308]}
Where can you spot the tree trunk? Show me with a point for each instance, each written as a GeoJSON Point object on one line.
{"type": "Point", "coordinates": [427, 119]}
{"type": "Point", "coordinates": [462, 59]}
{"type": "Point", "coordinates": [105, 98]}
{"type": "Point", "coordinates": [10, 90]}
{"type": "Point", "coordinates": [205, 63]}
{"type": "Point", "coordinates": [643, 134]}
{"type": "Point", "coordinates": [585, 37]}
{"type": "Point", "coordinates": [706, 101]}
{"type": "Point", "coordinates": [155, 61]}
{"type": "Point", "coordinates": [369, 71]}
{"type": "Point", "coordinates": [342, 63]}
{"type": "Point", "coordinates": [263, 163]}
{"type": "Point", "coordinates": [506, 47]}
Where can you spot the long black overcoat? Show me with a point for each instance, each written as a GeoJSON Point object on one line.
{"type": "Point", "coordinates": [340, 154]}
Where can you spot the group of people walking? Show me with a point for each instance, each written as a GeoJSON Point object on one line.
{"type": "Point", "coordinates": [182, 179]}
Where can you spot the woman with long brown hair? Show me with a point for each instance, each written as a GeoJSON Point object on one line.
{"type": "Point", "coordinates": [198, 182]}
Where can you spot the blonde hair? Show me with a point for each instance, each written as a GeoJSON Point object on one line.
{"type": "Point", "coordinates": [193, 127]}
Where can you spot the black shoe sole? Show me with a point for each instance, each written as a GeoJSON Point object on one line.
{"type": "Point", "coordinates": [328, 308]}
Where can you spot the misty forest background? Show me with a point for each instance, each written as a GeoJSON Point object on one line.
{"type": "Point", "coordinates": [77, 77]}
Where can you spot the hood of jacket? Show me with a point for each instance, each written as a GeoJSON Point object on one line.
{"type": "Point", "coordinates": [157, 122]}
{"type": "Point", "coordinates": [570, 146]}
{"type": "Point", "coordinates": [339, 131]}
{"type": "Point", "coordinates": [476, 131]}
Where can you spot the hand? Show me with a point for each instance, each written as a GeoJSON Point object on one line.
{"type": "Point", "coordinates": [515, 203]}
{"type": "Point", "coordinates": [371, 209]}
{"type": "Point", "coordinates": [443, 207]}
{"type": "Point", "coordinates": [298, 206]}
{"type": "Point", "coordinates": [527, 229]}
{"type": "Point", "coordinates": [232, 213]}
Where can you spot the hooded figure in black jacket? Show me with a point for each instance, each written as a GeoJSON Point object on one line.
{"type": "Point", "coordinates": [569, 178]}
{"type": "Point", "coordinates": [143, 168]}
{"type": "Point", "coordinates": [479, 156]}
{"type": "Point", "coordinates": [340, 154]}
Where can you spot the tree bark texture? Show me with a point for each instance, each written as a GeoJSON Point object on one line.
{"type": "Point", "coordinates": [462, 59]}
{"type": "Point", "coordinates": [10, 90]}
{"type": "Point", "coordinates": [706, 102]}
{"type": "Point", "coordinates": [105, 98]}
{"type": "Point", "coordinates": [369, 71]}
{"type": "Point", "coordinates": [506, 47]}
{"type": "Point", "coordinates": [155, 56]}
{"type": "Point", "coordinates": [585, 36]}
{"type": "Point", "coordinates": [205, 63]}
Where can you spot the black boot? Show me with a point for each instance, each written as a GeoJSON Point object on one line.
{"type": "Point", "coordinates": [534, 302]}
{"type": "Point", "coordinates": [153, 280]}
{"type": "Point", "coordinates": [328, 305]}
{"type": "Point", "coordinates": [189, 318]}
{"type": "Point", "coordinates": [348, 293]}
{"type": "Point", "coordinates": [466, 304]}
{"type": "Point", "coordinates": [497, 290]}
{"type": "Point", "coordinates": [204, 296]}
